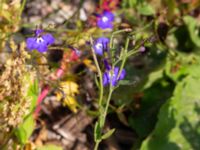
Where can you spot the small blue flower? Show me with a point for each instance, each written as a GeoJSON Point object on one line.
{"type": "Point", "coordinates": [112, 75]}
{"type": "Point", "coordinates": [40, 42]}
{"type": "Point", "coordinates": [106, 20]}
{"type": "Point", "coordinates": [101, 45]}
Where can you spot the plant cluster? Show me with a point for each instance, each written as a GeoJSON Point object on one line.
{"type": "Point", "coordinates": [142, 58]}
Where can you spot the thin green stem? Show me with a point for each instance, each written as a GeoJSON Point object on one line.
{"type": "Point", "coordinates": [131, 52]}
{"type": "Point", "coordinates": [22, 7]}
{"type": "Point", "coordinates": [117, 32]}
{"type": "Point", "coordinates": [108, 101]}
{"type": "Point", "coordinates": [56, 47]}
{"type": "Point", "coordinates": [99, 73]}
{"type": "Point", "coordinates": [104, 114]}
{"type": "Point", "coordinates": [96, 145]}
{"type": "Point", "coordinates": [100, 92]}
{"type": "Point", "coordinates": [112, 38]}
{"type": "Point", "coordinates": [124, 57]}
{"type": "Point", "coordinates": [143, 28]}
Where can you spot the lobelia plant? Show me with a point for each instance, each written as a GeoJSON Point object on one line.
{"type": "Point", "coordinates": [112, 72]}
{"type": "Point", "coordinates": [110, 76]}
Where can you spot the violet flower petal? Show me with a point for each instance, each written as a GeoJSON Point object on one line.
{"type": "Point", "coordinates": [105, 79]}
{"type": "Point", "coordinates": [42, 47]}
{"type": "Point", "coordinates": [122, 75]}
{"type": "Point", "coordinates": [109, 15]}
{"type": "Point", "coordinates": [108, 76]}
{"type": "Point", "coordinates": [48, 38]}
{"type": "Point", "coordinates": [106, 20]}
{"type": "Point", "coordinates": [100, 45]}
{"type": "Point", "coordinates": [104, 25]}
{"type": "Point", "coordinates": [106, 64]}
{"type": "Point", "coordinates": [38, 32]}
{"type": "Point", "coordinates": [31, 43]}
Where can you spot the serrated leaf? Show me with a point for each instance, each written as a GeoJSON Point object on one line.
{"type": "Point", "coordinates": [108, 134]}
{"type": "Point", "coordinates": [178, 124]}
{"type": "Point", "coordinates": [193, 29]}
{"type": "Point", "coordinates": [151, 101]}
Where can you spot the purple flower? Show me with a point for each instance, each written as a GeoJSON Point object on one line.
{"type": "Point", "coordinates": [106, 20]}
{"type": "Point", "coordinates": [101, 45]}
{"type": "Point", "coordinates": [112, 75]}
{"type": "Point", "coordinates": [40, 42]}
{"type": "Point", "coordinates": [106, 64]}
{"type": "Point", "coordinates": [142, 49]}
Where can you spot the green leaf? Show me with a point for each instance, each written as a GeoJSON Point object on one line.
{"type": "Point", "coordinates": [24, 131]}
{"type": "Point", "coordinates": [193, 29]}
{"type": "Point", "coordinates": [174, 72]}
{"type": "Point", "coordinates": [153, 77]}
{"type": "Point", "coordinates": [33, 94]}
{"type": "Point", "coordinates": [108, 134]}
{"type": "Point", "coordinates": [49, 147]}
{"type": "Point", "coordinates": [144, 120]}
{"type": "Point", "coordinates": [97, 131]}
{"type": "Point", "coordinates": [132, 3]}
{"type": "Point", "coordinates": [183, 65]}
{"type": "Point", "coordinates": [171, 7]}
{"type": "Point", "coordinates": [178, 125]}
{"type": "Point", "coordinates": [129, 3]}
{"type": "Point", "coordinates": [145, 9]}
{"type": "Point", "coordinates": [126, 82]}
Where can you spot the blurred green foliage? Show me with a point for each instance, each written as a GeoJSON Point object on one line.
{"type": "Point", "coordinates": [164, 99]}
{"type": "Point", "coordinates": [178, 125]}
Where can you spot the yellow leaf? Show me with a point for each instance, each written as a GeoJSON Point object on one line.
{"type": "Point", "coordinates": [71, 103]}
{"type": "Point", "coordinates": [89, 64]}
{"type": "Point", "coordinates": [67, 92]}
{"type": "Point", "coordinates": [69, 87]}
